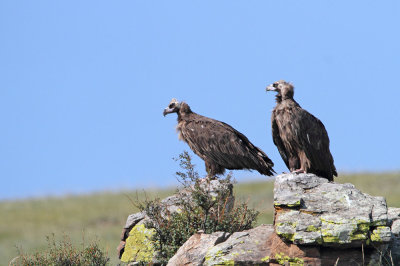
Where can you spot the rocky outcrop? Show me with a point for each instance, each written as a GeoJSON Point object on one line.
{"type": "Point", "coordinates": [136, 243]}
{"type": "Point", "coordinates": [309, 210]}
{"type": "Point", "coordinates": [316, 222]}
{"type": "Point", "coordinates": [195, 248]}
{"type": "Point", "coordinates": [262, 246]}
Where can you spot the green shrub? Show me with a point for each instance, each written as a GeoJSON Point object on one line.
{"type": "Point", "coordinates": [63, 254]}
{"type": "Point", "coordinates": [202, 210]}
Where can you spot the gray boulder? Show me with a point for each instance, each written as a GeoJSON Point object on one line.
{"type": "Point", "coordinates": [309, 210]}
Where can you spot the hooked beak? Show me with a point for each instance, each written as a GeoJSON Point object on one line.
{"type": "Point", "coordinates": [167, 111]}
{"type": "Point", "coordinates": [270, 88]}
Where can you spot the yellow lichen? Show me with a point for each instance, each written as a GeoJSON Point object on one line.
{"type": "Point", "coordinates": [290, 205]}
{"type": "Point", "coordinates": [139, 246]}
{"type": "Point", "coordinates": [283, 259]}
{"type": "Point", "coordinates": [265, 259]}
{"type": "Point", "coordinates": [376, 234]}
{"type": "Point", "coordinates": [312, 228]}
{"type": "Point", "coordinates": [218, 258]}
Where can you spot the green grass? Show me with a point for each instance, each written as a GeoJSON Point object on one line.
{"type": "Point", "coordinates": [26, 223]}
{"type": "Point", "coordinates": [260, 196]}
{"type": "Point", "coordinates": [101, 216]}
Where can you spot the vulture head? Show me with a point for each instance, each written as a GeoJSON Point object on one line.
{"type": "Point", "coordinates": [284, 89]}
{"type": "Point", "coordinates": [181, 108]}
{"type": "Point", "coordinates": [173, 107]}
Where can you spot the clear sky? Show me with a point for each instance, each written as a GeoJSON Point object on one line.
{"type": "Point", "coordinates": [83, 84]}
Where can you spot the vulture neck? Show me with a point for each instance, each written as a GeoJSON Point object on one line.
{"type": "Point", "coordinates": [184, 112]}
{"type": "Point", "coordinates": [278, 98]}
{"type": "Point", "coordinates": [285, 100]}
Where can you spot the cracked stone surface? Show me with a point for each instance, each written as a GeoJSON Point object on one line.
{"type": "Point", "coordinates": [310, 210]}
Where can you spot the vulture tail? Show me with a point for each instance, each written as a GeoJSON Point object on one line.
{"type": "Point", "coordinates": [266, 167]}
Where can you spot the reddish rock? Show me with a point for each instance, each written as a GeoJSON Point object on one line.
{"type": "Point", "coordinates": [262, 246]}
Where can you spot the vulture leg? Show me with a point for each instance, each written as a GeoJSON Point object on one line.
{"type": "Point", "coordinates": [211, 173]}
{"type": "Point", "coordinates": [299, 171]}
{"type": "Point", "coordinates": [294, 163]}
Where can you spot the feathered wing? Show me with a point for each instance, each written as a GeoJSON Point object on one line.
{"type": "Point", "coordinates": [217, 142]}
{"type": "Point", "coordinates": [278, 141]}
{"type": "Point", "coordinates": [313, 138]}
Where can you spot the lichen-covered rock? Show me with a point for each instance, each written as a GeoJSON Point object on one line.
{"type": "Point", "coordinates": [196, 247]}
{"type": "Point", "coordinates": [132, 237]}
{"type": "Point", "coordinates": [139, 246]}
{"type": "Point", "coordinates": [244, 248]}
{"type": "Point", "coordinates": [309, 210]}
{"type": "Point", "coordinates": [316, 223]}
{"type": "Point", "coordinates": [262, 246]}
{"type": "Point", "coordinates": [250, 247]}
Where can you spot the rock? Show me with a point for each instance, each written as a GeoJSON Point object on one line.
{"type": "Point", "coordinates": [316, 223]}
{"type": "Point", "coordinates": [195, 248]}
{"type": "Point", "coordinates": [309, 210]}
{"type": "Point", "coordinates": [136, 244]}
{"type": "Point", "coordinates": [132, 220]}
{"type": "Point", "coordinates": [394, 219]}
{"type": "Point", "coordinates": [262, 246]}
{"type": "Point", "coordinates": [245, 247]}
{"type": "Point", "coordinates": [139, 245]}
{"type": "Point", "coordinates": [394, 247]}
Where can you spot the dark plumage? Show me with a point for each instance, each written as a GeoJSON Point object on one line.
{"type": "Point", "coordinates": [218, 144]}
{"type": "Point", "coordinates": [301, 138]}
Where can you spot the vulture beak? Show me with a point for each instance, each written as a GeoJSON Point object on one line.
{"type": "Point", "coordinates": [270, 88]}
{"type": "Point", "coordinates": [167, 111]}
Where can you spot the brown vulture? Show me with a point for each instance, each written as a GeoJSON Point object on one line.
{"type": "Point", "coordinates": [301, 138]}
{"type": "Point", "coordinates": [218, 144]}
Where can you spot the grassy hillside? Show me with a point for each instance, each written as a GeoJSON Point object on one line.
{"type": "Point", "coordinates": [26, 223]}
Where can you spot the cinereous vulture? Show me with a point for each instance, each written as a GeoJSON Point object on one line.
{"type": "Point", "coordinates": [301, 138]}
{"type": "Point", "coordinates": [218, 144]}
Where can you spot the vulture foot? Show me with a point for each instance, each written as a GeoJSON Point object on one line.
{"type": "Point", "coordinates": [298, 171]}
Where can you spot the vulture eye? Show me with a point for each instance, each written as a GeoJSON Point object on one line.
{"type": "Point", "coordinates": [171, 105]}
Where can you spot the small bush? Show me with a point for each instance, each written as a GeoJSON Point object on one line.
{"type": "Point", "coordinates": [200, 209]}
{"type": "Point", "coordinates": [63, 254]}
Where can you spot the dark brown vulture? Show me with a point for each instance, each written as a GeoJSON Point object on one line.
{"type": "Point", "coordinates": [218, 144]}
{"type": "Point", "coordinates": [301, 138]}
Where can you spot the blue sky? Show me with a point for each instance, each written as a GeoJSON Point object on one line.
{"type": "Point", "coordinates": [83, 84]}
